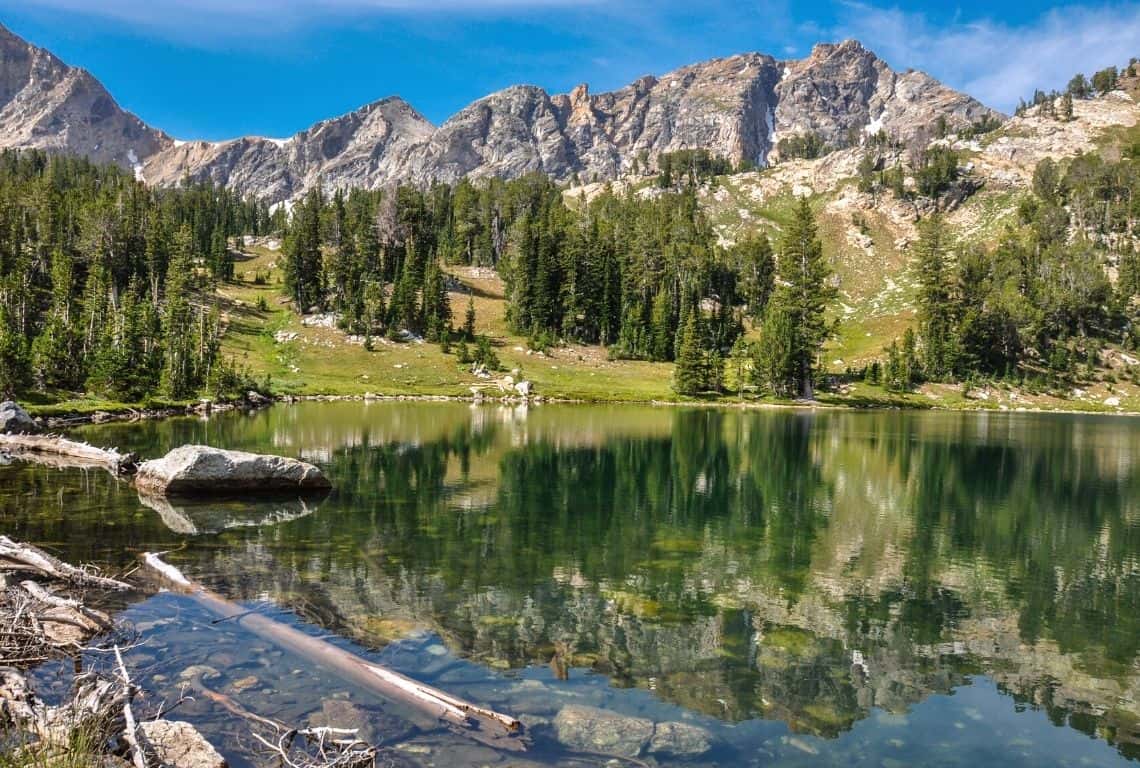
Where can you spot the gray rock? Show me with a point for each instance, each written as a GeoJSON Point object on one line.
{"type": "Point", "coordinates": [600, 730]}
{"type": "Point", "coordinates": [15, 420]}
{"type": "Point", "coordinates": [202, 470]}
{"type": "Point", "coordinates": [737, 107]}
{"type": "Point", "coordinates": [45, 104]}
{"type": "Point", "coordinates": [679, 739]}
{"type": "Point", "coordinates": [179, 745]}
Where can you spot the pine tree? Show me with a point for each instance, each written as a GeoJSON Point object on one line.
{"type": "Point", "coordinates": [911, 367]}
{"type": "Point", "coordinates": [661, 327]}
{"type": "Point", "coordinates": [690, 377]}
{"type": "Point", "coordinates": [469, 319]}
{"type": "Point", "coordinates": [753, 260]}
{"type": "Point", "coordinates": [740, 359]}
{"type": "Point", "coordinates": [13, 354]}
{"type": "Point", "coordinates": [935, 310]}
{"type": "Point", "coordinates": [303, 259]}
{"type": "Point", "coordinates": [774, 364]}
{"type": "Point", "coordinates": [436, 306]}
{"type": "Point", "coordinates": [804, 296]}
{"type": "Point", "coordinates": [178, 372]}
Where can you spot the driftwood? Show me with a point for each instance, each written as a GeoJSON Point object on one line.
{"type": "Point", "coordinates": [482, 724]}
{"type": "Point", "coordinates": [130, 727]}
{"type": "Point", "coordinates": [25, 557]}
{"type": "Point", "coordinates": [58, 451]}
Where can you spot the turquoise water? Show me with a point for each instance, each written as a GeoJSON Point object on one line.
{"type": "Point", "coordinates": [871, 588]}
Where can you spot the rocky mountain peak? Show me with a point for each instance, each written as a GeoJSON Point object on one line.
{"type": "Point", "coordinates": [46, 104]}
{"type": "Point", "coordinates": [737, 107]}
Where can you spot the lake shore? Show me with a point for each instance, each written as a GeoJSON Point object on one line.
{"type": "Point", "coordinates": [77, 413]}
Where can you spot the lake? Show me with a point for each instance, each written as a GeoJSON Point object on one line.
{"type": "Point", "coordinates": [728, 587]}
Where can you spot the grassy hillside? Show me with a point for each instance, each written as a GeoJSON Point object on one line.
{"type": "Point", "coordinates": [324, 361]}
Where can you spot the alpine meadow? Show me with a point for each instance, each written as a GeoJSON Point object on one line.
{"type": "Point", "coordinates": [770, 411]}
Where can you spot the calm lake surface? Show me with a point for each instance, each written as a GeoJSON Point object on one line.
{"type": "Point", "coordinates": [837, 588]}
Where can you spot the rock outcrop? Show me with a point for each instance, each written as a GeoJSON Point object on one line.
{"type": "Point", "coordinates": [45, 104]}
{"type": "Point", "coordinates": [736, 107]}
{"type": "Point", "coordinates": [178, 744]}
{"type": "Point", "coordinates": [199, 470]}
{"type": "Point", "coordinates": [15, 420]}
{"type": "Point", "coordinates": [602, 730]}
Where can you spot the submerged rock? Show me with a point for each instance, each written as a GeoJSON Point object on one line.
{"type": "Point", "coordinates": [599, 730]}
{"type": "Point", "coordinates": [179, 745]}
{"type": "Point", "coordinates": [15, 420]}
{"type": "Point", "coordinates": [679, 739]}
{"type": "Point", "coordinates": [202, 470]}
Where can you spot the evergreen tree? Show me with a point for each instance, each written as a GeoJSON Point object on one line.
{"type": "Point", "coordinates": [661, 324]}
{"type": "Point", "coordinates": [436, 305]}
{"type": "Point", "coordinates": [741, 360]}
{"type": "Point", "coordinates": [178, 374]}
{"type": "Point", "coordinates": [935, 309]}
{"type": "Point", "coordinates": [13, 354]}
{"type": "Point", "coordinates": [804, 298]}
{"type": "Point", "coordinates": [753, 260]}
{"type": "Point", "coordinates": [469, 319]}
{"type": "Point", "coordinates": [303, 258]}
{"type": "Point", "coordinates": [690, 376]}
{"type": "Point", "coordinates": [775, 364]}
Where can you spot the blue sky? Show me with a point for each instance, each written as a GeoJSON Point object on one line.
{"type": "Point", "coordinates": [216, 69]}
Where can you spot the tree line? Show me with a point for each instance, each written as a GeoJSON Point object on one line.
{"type": "Point", "coordinates": [103, 280]}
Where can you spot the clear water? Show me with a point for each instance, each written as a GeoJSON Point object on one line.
{"type": "Point", "coordinates": [835, 588]}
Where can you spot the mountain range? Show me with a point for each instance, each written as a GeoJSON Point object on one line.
{"type": "Point", "coordinates": [736, 107]}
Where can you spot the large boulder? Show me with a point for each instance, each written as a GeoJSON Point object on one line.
{"type": "Point", "coordinates": [15, 420]}
{"type": "Point", "coordinates": [197, 470]}
{"type": "Point", "coordinates": [179, 745]}
{"type": "Point", "coordinates": [600, 730]}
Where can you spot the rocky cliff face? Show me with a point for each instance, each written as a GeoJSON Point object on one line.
{"type": "Point", "coordinates": [737, 107]}
{"type": "Point", "coordinates": [45, 104]}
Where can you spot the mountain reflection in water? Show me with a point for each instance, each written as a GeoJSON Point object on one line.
{"type": "Point", "coordinates": [813, 568]}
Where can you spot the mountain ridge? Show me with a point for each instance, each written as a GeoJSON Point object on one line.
{"type": "Point", "coordinates": [736, 106]}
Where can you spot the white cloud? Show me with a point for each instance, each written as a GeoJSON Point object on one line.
{"type": "Point", "coordinates": [995, 62]}
{"type": "Point", "coordinates": [186, 19]}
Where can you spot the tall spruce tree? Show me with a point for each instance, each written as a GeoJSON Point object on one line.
{"type": "Point", "coordinates": [690, 376]}
{"type": "Point", "coordinates": [935, 306]}
{"type": "Point", "coordinates": [803, 299]}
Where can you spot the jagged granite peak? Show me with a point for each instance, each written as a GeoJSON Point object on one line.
{"type": "Point", "coordinates": [737, 107]}
{"type": "Point", "coordinates": [359, 149]}
{"type": "Point", "coordinates": [46, 104]}
{"type": "Point", "coordinates": [844, 88]}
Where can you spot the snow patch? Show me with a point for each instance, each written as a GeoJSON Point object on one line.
{"type": "Point", "coordinates": [179, 142]}
{"type": "Point", "coordinates": [787, 73]}
{"type": "Point", "coordinates": [875, 127]}
{"type": "Point", "coordinates": [279, 142]}
{"type": "Point", "coordinates": [286, 204]}
{"type": "Point", "coordinates": [136, 165]}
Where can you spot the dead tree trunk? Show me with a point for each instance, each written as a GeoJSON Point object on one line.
{"type": "Point", "coordinates": [484, 725]}
{"type": "Point", "coordinates": [25, 557]}
{"type": "Point", "coordinates": [60, 452]}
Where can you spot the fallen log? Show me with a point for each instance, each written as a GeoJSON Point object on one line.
{"type": "Point", "coordinates": [484, 725]}
{"type": "Point", "coordinates": [57, 451]}
{"type": "Point", "coordinates": [25, 557]}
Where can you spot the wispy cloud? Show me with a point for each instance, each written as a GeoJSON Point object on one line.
{"type": "Point", "coordinates": [996, 62]}
{"type": "Point", "coordinates": [203, 21]}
